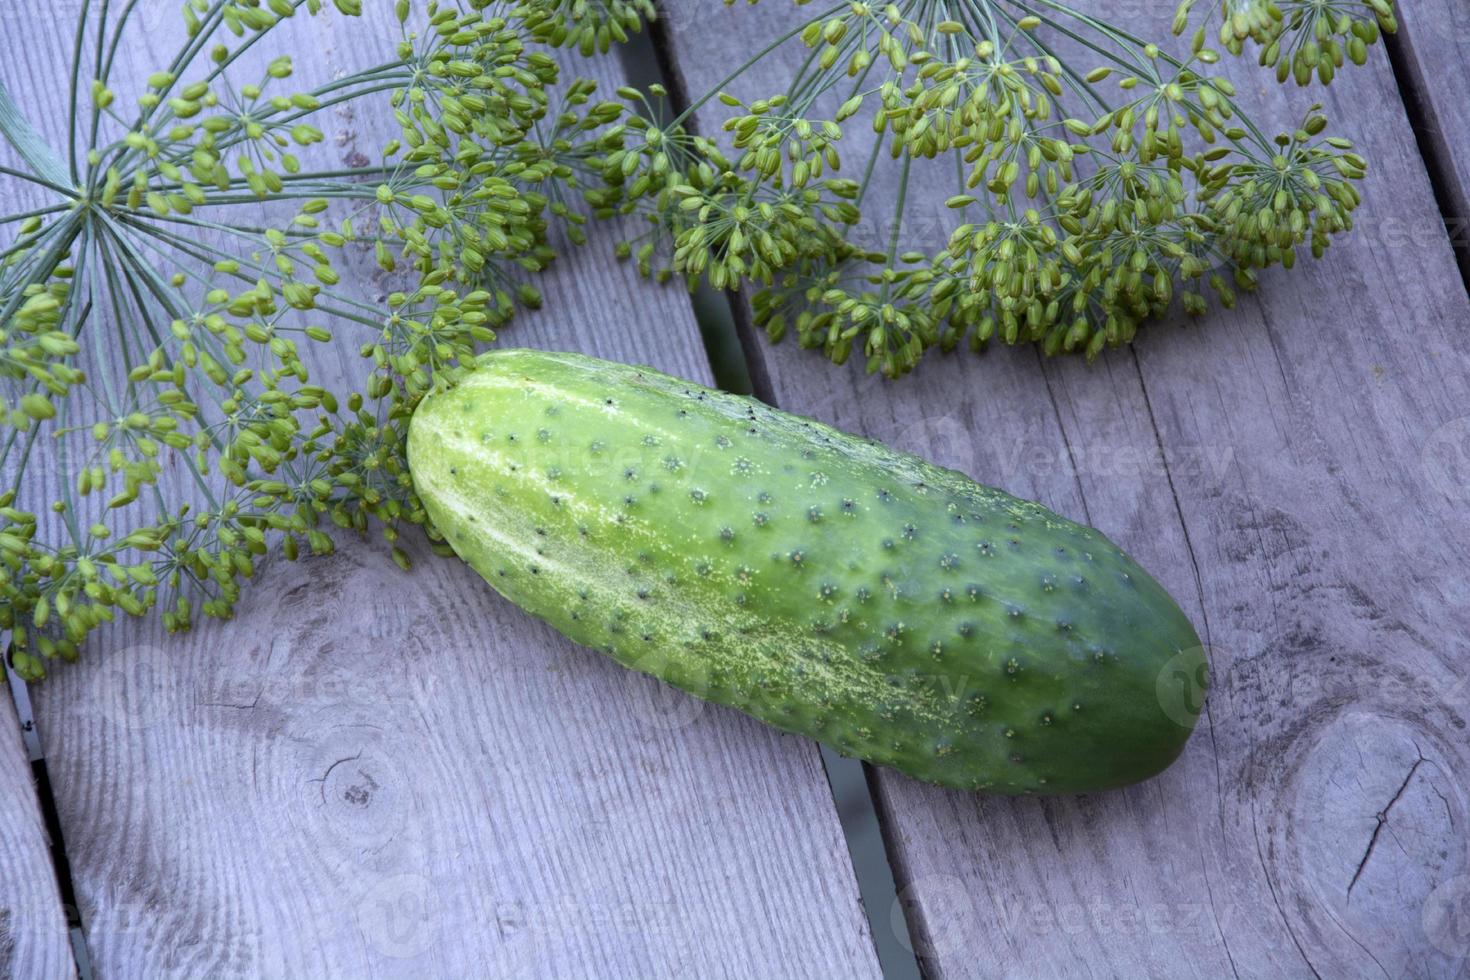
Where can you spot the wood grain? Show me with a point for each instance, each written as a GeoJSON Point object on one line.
{"type": "Point", "coordinates": [1292, 472]}
{"type": "Point", "coordinates": [1432, 57]}
{"type": "Point", "coordinates": [431, 784]}
{"type": "Point", "coordinates": [33, 934]}
{"type": "Point", "coordinates": [373, 773]}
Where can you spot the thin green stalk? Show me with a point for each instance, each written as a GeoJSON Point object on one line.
{"type": "Point", "coordinates": [95, 114]}
{"type": "Point", "coordinates": [39, 181]}
{"type": "Point", "coordinates": [694, 106]}
{"type": "Point", "coordinates": [893, 234]}
{"type": "Point", "coordinates": [46, 266]}
{"type": "Point", "coordinates": [34, 213]}
{"type": "Point", "coordinates": [74, 96]}
{"type": "Point", "coordinates": [201, 251]}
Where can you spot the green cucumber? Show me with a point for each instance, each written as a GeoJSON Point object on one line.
{"type": "Point", "coordinates": [821, 582]}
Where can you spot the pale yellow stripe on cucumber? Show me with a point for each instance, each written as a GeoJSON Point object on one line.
{"type": "Point", "coordinates": [560, 396]}
{"type": "Point", "coordinates": [680, 612]}
{"type": "Point", "coordinates": [527, 476]}
{"type": "Point", "coordinates": [859, 680]}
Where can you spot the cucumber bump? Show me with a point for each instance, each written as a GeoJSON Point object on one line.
{"type": "Point", "coordinates": [821, 582]}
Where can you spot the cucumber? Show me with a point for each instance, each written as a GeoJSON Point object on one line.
{"type": "Point", "coordinates": [823, 583]}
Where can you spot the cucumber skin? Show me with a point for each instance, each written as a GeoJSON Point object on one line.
{"type": "Point", "coordinates": [823, 583]}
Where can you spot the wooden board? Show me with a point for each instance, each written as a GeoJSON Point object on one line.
{"type": "Point", "coordinates": [1289, 471]}
{"type": "Point", "coordinates": [1432, 56]}
{"type": "Point", "coordinates": [377, 773]}
{"type": "Point", "coordinates": [33, 934]}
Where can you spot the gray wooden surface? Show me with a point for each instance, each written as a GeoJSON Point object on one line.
{"type": "Point", "coordinates": [1433, 52]}
{"type": "Point", "coordinates": [377, 773]}
{"type": "Point", "coordinates": [33, 937]}
{"type": "Point", "coordinates": [1296, 473]}
{"type": "Point", "coordinates": [374, 773]}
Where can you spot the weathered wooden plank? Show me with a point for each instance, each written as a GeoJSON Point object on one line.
{"type": "Point", "coordinates": [432, 784]}
{"type": "Point", "coordinates": [33, 933]}
{"type": "Point", "coordinates": [1289, 471]}
{"type": "Point", "coordinates": [1432, 57]}
{"type": "Point", "coordinates": [378, 773]}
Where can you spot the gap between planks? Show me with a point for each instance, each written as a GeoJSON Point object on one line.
{"type": "Point", "coordinates": [1430, 58]}
{"type": "Point", "coordinates": [726, 339]}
